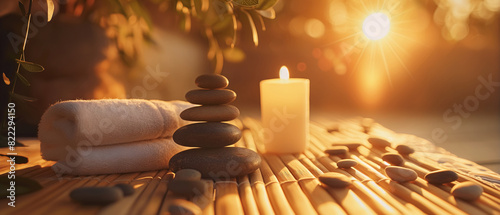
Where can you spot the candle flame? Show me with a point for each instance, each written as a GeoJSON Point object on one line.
{"type": "Point", "coordinates": [284, 74]}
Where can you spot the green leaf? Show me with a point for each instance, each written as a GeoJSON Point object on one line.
{"type": "Point", "coordinates": [22, 98]}
{"type": "Point", "coordinates": [50, 10]}
{"type": "Point", "coordinates": [23, 79]}
{"type": "Point", "coordinates": [255, 36]}
{"type": "Point", "coordinates": [21, 7]}
{"type": "Point", "coordinates": [234, 55]}
{"type": "Point", "coordinates": [246, 3]}
{"type": "Point", "coordinates": [23, 185]}
{"type": "Point", "coordinates": [269, 13]}
{"type": "Point", "coordinates": [29, 66]}
{"type": "Point", "coordinates": [5, 79]}
{"type": "Point", "coordinates": [266, 4]}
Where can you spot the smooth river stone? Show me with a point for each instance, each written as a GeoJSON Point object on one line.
{"type": "Point", "coordinates": [393, 158]}
{"type": "Point", "coordinates": [378, 142]}
{"type": "Point", "coordinates": [218, 163]}
{"type": "Point", "coordinates": [337, 150]}
{"type": "Point", "coordinates": [467, 191]}
{"type": "Point", "coordinates": [188, 174]}
{"type": "Point", "coordinates": [441, 176]}
{"type": "Point", "coordinates": [400, 174]}
{"type": "Point", "coordinates": [404, 149]}
{"type": "Point", "coordinates": [210, 97]}
{"type": "Point", "coordinates": [210, 134]}
{"type": "Point", "coordinates": [127, 189]}
{"type": "Point", "coordinates": [96, 195]}
{"type": "Point", "coordinates": [346, 163]}
{"type": "Point", "coordinates": [183, 207]}
{"type": "Point", "coordinates": [335, 180]}
{"type": "Point", "coordinates": [211, 113]}
{"type": "Point", "coordinates": [187, 188]}
{"type": "Point", "coordinates": [211, 81]}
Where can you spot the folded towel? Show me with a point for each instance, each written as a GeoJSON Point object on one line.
{"type": "Point", "coordinates": [111, 135]}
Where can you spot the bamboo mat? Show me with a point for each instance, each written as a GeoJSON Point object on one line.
{"type": "Point", "coordinates": [284, 184]}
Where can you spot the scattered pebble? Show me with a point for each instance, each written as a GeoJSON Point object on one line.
{"type": "Point", "coordinates": [352, 146]}
{"type": "Point", "coordinates": [211, 113]}
{"type": "Point", "coordinates": [467, 191]}
{"type": "Point", "coordinates": [210, 97]}
{"type": "Point", "coordinates": [333, 128]}
{"type": "Point", "coordinates": [127, 189]}
{"type": "Point", "coordinates": [188, 174]}
{"type": "Point", "coordinates": [211, 134]}
{"type": "Point", "coordinates": [337, 150]}
{"type": "Point", "coordinates": [441, 176]}
{"type": "Point", "coordinates": [217, 163]}
{"type": "Point", "coordinates": [346, 163]}
{"type": "Point", "coordinates": [335, 180]}
{"type": "Point", "coordinates": [378, 142]}
{"type": "Point", "coordinates": [211, 81]}
{"type": "Point", "coordinates": [186, 188]}
{"type": "Point", "coordinates": [404, 149]}
{"type": "Point", "coordinates": [183, 207]}
{"type": "Point", "coordinates": [393, 158]}
{"type": "Point", "coordinates": [400, 174]}
{"type": "Point", "coordinates": [96, 195]}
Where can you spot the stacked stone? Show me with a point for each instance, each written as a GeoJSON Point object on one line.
{"type": "Point", "coordinates": [212, 159]}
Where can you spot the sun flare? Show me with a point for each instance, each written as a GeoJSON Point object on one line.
{"type": "Point", "coordinates": [376, 26]}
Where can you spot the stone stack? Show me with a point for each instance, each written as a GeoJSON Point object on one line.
{"type": "Point", "coordinates": [212, 159]}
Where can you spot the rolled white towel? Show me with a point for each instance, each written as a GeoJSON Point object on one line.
{"type": "Point", "coordinates": [113, 127]}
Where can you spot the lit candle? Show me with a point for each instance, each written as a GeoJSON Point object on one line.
{"type": "Point", "coordinates": [285, 113]}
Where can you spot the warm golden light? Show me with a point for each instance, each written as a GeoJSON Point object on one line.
{"type": "Point", "coordinates": [376, 26]}
{"type": "Point", "coordinates": [284, 74]}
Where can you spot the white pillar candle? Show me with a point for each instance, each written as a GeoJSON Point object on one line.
{"type": "Point", "coordinates": [285, 113]}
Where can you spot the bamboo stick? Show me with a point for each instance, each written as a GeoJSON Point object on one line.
{"type": "Point", "coordinates": [276, 194]}
{"type": "Point", "coordinates": [412, 197]}
{"type": "Point", "coordinates": [246, 196]}
{"type": "Point", "coordinates": [462, 205]}
{"type": "Point", "coordinates": [156, 199]}
{"type": "Point", "coordinates": [260, 193]}
{"type": "Point", "coordinates": [349, 201]}
{"type": "Point", "coordinates": [290, 187]}
{"type": "Point", "coordinates": [295, 166]}
{"type": "Point", "coordinates": [320, 198]}
{"type": "Point", "coordinates": [142, 200]}
{"type": "Point", "coordinates": [227, 200]}
{"type": "Point", "coordinates": [207, 199]}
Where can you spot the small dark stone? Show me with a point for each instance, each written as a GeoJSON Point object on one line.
{"type": "Point", "coordinates": [393, 158]}
{"type": "Point", "coordinates": [337, 150]}
{"type": "Point", "coordinates": [96, 195]}
{"type": "Point", "coordinates": [126, 188]}
{"type": "Point", "coordinates": [211, 113]}
{"type": "Point", "coordinates": [188, 174]}
{"type": "Point", "coordinates": [187, 188]}
{"type": "Point", "coordinates": [468, 191]}
{"type": "Point", "coordinates": [346, 163]}
{"type": "Point", "coordinates": [211, 81]}
{"type": "Point", "coordinates": [217, 163]}
{"type": "Point", "coordinates": [210, 97]}
{"type": "Point", "coordinates": [441, 176]}
{"type": "Point", "coordinates": [378, 142]}
{"type": "Point", "coordinates": [404, 149]}
{"type": "Point", "coordinates": [335, 180]}
{"type": "Point", "coordinates": [211, 134]}
{"type": "Point", "coordinates": [352, 146]}
{"type": "Point", "coordinates": [401, 174]}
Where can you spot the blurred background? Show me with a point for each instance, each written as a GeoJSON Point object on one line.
{"type": "Point", "coordinates": [429, 68]}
